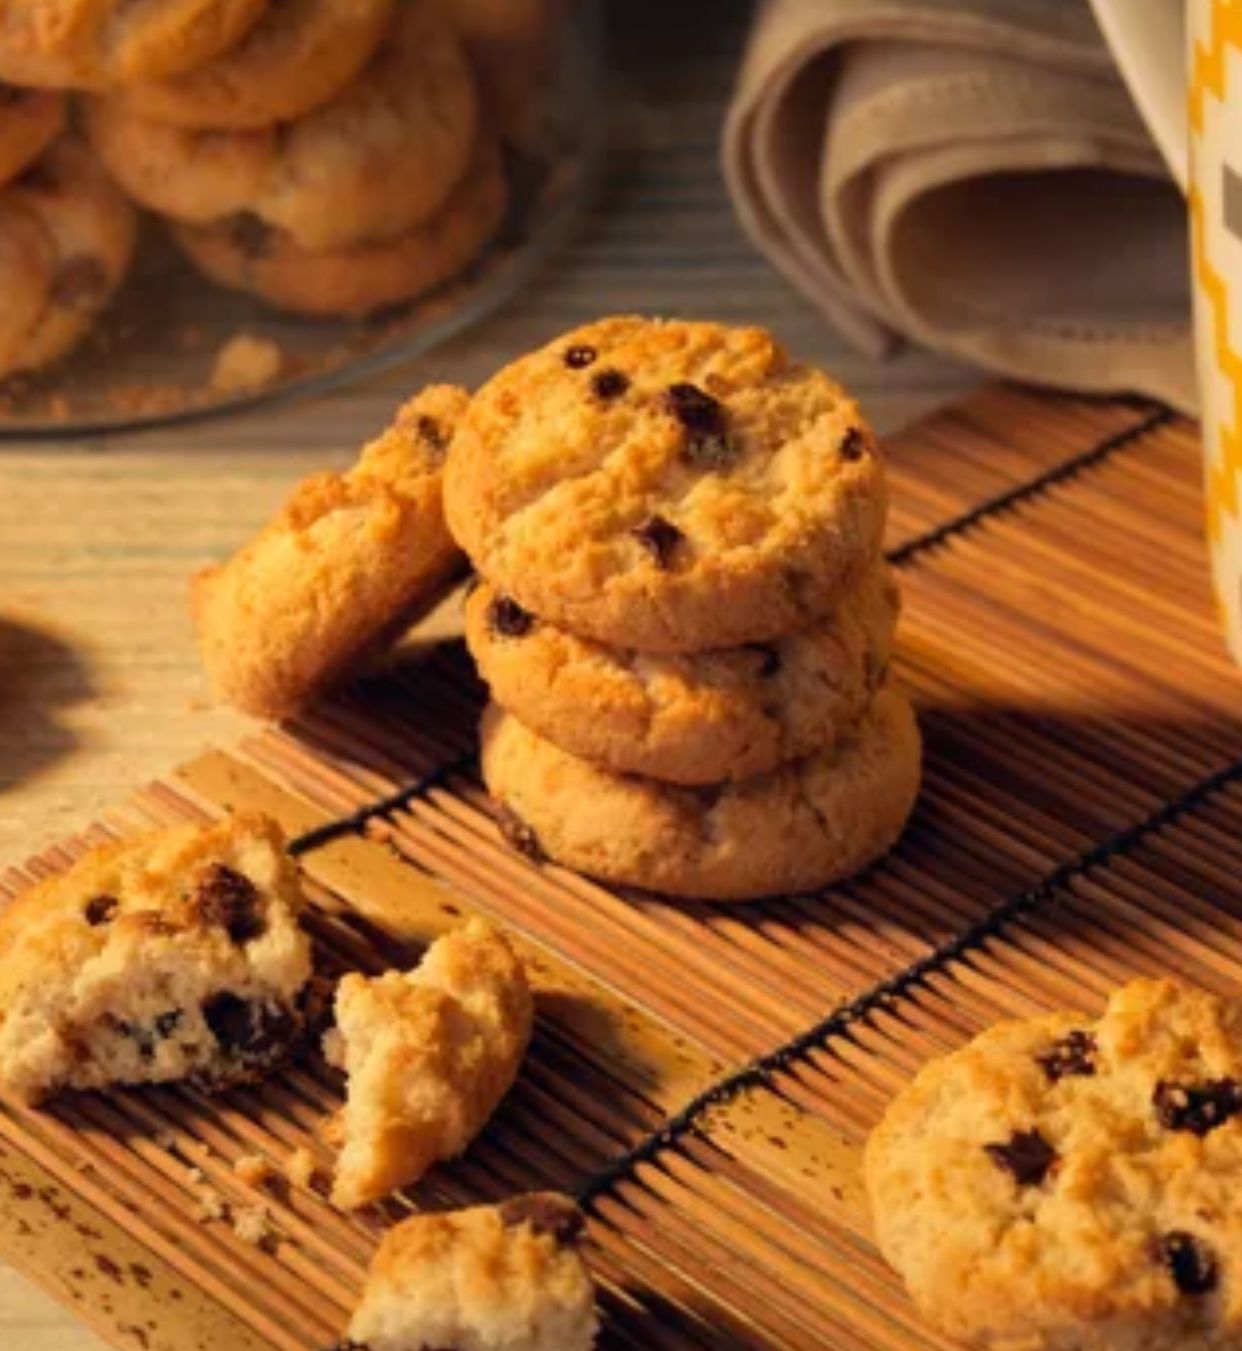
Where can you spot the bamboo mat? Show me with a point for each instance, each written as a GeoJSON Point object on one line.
{"type": "Point", "coordinates": [704, 1078]}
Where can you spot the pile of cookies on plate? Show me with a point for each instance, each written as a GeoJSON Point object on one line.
{"type": "Point", "coordinates": [333, 157]}
{"type": "Point", "coordinates": [681, 605]}
{"type": "Point", "coordinates": [181, 956]}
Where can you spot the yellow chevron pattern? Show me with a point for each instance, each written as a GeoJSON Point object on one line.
{"type": "Point", "coordinates": [1208, 76]}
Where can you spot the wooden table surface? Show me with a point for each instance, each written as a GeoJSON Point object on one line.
{"type": "Point", "coordinates": [99, 683]}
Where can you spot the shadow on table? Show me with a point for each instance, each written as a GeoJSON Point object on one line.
{"type": "Point", "coordinates": [40, 677]}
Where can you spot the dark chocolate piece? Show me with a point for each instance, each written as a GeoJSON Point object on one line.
{"type": "Point", "coordinates": [1026, 1156]}
{"type": "Point", "coordinates": [660, 538]}
{"type": "Point", "coordinates": [100, 909]}
{"type": "Point", "coordinates": [1190, 1261]}
{"type": "Point", "coordinates": [1198, 1108]}
{"type": "Point", "coordinates": [545, 1214]}
{"type": "Point", "coordinates": [707, 444]}
{"type": "Point", "coordinates": [508, 619]}
{"type": "Point", "coordinates": [227, 898]}
{"type": "Point", "coordinates": [579, 357]}
{"type": "Point", "coordinates": [1071, 1057]}
{"type": "Point", "coordinates": [853, 445]}
{"type": "Point", "coordinates": [519, 834]}
{"type": "Point", "coordinates": [609, 384]}
{"type": "Point", "coordinates": [248, 1031]}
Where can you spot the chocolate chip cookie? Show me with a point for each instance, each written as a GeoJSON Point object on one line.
{"type": "Point", "coordinates": [377, 160]}
{"type": "Point", "coordinates": [1069, 1182]}
{"type": "Point", "coordinates": [350, 560]}
{"type": "Point", "coordinates": [667, 486]}
{"type": "Point", "coordinates": [300, 54]}
{"type": "Point", "coordinates": [800, 827]}
{"type": "Point", "coordinates": [90, 44]}
{"type": "Point", "coordinates": [246, 255]}
{"type": "Point", "coordinates": [505, 1277]}
{"type": "Point", "coordinates": [176, 955]}
{"type": "Point", "coordinates": [66, 240]}
{"type": "Point", "coordinates": [694, 719]}
{"type": "Point", "coordinates": [429, 1055]}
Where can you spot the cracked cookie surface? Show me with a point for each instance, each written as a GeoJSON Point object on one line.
{"type": "Point", "coordinates": [173, 955]}
{"type": "Point", "coordinates": [1063, 1182]}
{"type": "Point", "coordinates": [800, 827]}
{"type": "Point", "coordinates": [692, 719]}
{"type": "Point", "coordinates": [667, 486]}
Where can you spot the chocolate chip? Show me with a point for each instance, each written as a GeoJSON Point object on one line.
{"type": "Point", "coordinates": [660, 538]}
{"type": "Point", "coordinates": [769, 659]}
{"type": "Point", "coordinates": [432, 435]}
{"type": "Point", "coordinates": [519, 834]}
{"type": "Point", "coordinates": [507, 618]}
{"type": "Point", "coordinates": [609, 384]}
{"type": "Point", "coordinates": [147, 1037]}
{"type": "Point", "coordinates": [707, 444]}
{"type": "Point", "coordinates": [1071, 1057]}
{"type": "Point", "coordinates": [579, 357]}
{"type": "Point", "coordinates": [246, 1030]}
{"type": "Point", "coordinates": [546, 1214]}
{"type": "Point", "coordinates": [853, 445]}
{"type": "Point", "coordinates": [227, 898]}
{"type": "Point", "coordinates": [1026, 1156]}
{"type": "Point", "coordinates": [250, 234]}
{"type": "Point", "coordinates": [80, 283]}
{"type": "Point", "coordinates": [1190, 1261]}
{"type": "Point", "coordinates": [1198, 1108]}
{"type": "Point", "coordinates": [100, 909]}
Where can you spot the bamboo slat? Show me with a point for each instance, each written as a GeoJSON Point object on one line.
{"type": "Point", "coordinates": [704, 1077]}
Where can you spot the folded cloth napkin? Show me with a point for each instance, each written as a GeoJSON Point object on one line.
{"type": "Point", "coordinates": [972, 175]}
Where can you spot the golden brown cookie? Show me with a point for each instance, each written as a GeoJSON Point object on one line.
{"type": "Point", "coordinates": [175, 955]}
{"type": "Point", "coordinates": [245, 255]}
{"type": "Point", "coordinates": [1066, 1182]}
{"type": "Point", "coordinates": [299, 55]}
{"type": "Point", "coordinates": [694, 719]}
{"type": "Point", "coordinates": [66, 239]}
{"type": "Point", "coordinates": [30, 120]}
{"type": "Point", "coordinates": [429, 1055]}
{"type": "Point", "coordinates": [510, 46]}
{"type": "Point", "coordinates": [89, 44]}
{"type": "Point", "coordinates": [377, 160]}
{"type": "Point", "coordinates": [799, 828]}
{"type": "Point", "coordinates": [349, 561]}
{"type": "Point", "coordinates": [506, 1277]}
{"type": "Point", "coordinates": [667, 486]}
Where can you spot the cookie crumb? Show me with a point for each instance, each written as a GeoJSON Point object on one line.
{"type": "Point", "coordinates": [300, 1168]}
{"type": "Point", "coordinates": [253, 1225]}
{"type": "Point", "coordinates": [252, 1169]}
{"type": "Point", "coordinates": [244, 363]}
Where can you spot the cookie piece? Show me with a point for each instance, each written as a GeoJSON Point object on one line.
{"type": "Point", "coordinates": [30, 120]}
{"type": "Point", "coordinates": [1065, 1183]}
{"type": "Point", "coordinates": [694, 719]}
{"type": "Point", "coordinates": [171, 956]}
{"type": "Point", "coordinates": [66, 240]}
{"type": "Point", "coordinates": [507, 1277]}
{"type": "Point", "coordinates": [89, 44]}
{"type": "Point", "coordinates": [429, 1055]}
{"type": "Point", "coordinates": [349, 561]}
{"type": "Point", "coordinates": [300, 54]}
{"type": "Point", "coordinates": [245, 255]}
{"type": "Point", "coordinates": [809, 823]}
{"type": "Point", "coordinates": [667, 486]}
{"type": "Point", "coordinates": [379, 159]}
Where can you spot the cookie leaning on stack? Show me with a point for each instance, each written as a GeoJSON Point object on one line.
{"type": "Point", "coordinates": [679, 532]}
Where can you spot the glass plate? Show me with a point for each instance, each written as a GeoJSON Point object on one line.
{"type": "Point", "coordinates": [150, 357]}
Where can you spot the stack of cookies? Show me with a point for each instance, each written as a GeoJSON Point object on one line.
{"type": "Point", "coordinates": [683, 612]}
{"type": "Point", "coordinates": [66, 232]}
{"type": "Point", "coordinates": [333, 162]}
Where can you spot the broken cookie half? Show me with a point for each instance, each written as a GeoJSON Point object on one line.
{"type": "Point", "coordinates": [176, 955]}
{"type": "Point", "coordinates": [429, 1054]}
{"type": "Point", "coordinates": [508, 1277]}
